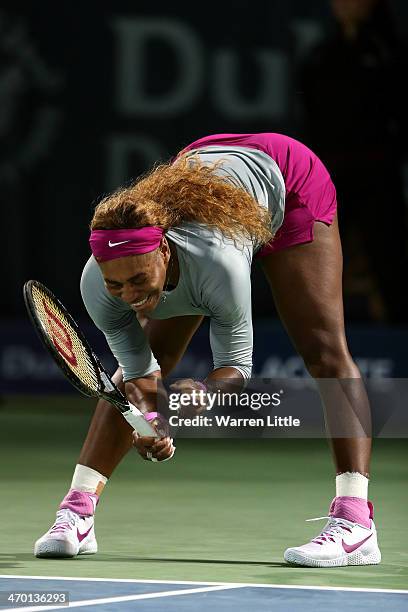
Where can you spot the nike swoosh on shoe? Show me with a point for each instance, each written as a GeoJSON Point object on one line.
{"type": "Point", "coordinates": [81, 536]}
{"type": "Point", "coordinates": [348, 548]}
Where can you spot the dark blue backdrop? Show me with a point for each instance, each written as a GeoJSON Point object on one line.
{"type": "Point", "coordinates": [25, 366]}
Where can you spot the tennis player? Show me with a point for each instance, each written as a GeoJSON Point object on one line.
{"type": "Point", "coordinates": [176, 246]}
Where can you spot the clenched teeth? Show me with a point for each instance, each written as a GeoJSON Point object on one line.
{"type": "Point", "coordinates": [141, 302]}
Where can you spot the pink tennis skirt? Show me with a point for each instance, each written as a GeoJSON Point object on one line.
{"type": "Point", "coordinates": [310, 193]}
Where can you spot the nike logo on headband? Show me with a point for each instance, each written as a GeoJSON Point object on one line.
{"type": "Point", "coordinates": [112, 244]}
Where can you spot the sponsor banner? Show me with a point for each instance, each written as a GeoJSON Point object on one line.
{"type": "Point", "coordinates": [26, 367]}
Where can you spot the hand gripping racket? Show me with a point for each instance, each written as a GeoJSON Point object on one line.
{"type": "Point", "coordinates": [71, 351]}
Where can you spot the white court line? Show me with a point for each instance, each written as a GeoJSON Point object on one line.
{"type": "Point", "coordinates": [136, 580]}
{"type": "Point", "coordinates": [208, 583]}
{"type": "Point", "coordinates": [122, 598]}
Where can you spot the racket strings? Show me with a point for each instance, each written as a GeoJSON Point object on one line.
{"type": "Point", "coordinates": [65, 339]}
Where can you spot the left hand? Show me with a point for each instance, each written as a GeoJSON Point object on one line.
{"type": "Point", "coordinates": [197, 392]}
{"type": "Point", "coordinates": [152, 449]}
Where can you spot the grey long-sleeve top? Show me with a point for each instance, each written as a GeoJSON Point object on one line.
{"type": "Point", "coordinates": [214, 277]}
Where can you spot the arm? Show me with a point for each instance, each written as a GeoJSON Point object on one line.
{"type": "Point", "coordinates": [128, 343]}
{"type": "Point", "coordinates": [225, 379]}
{"type": "Point", "coordinates": [231, 335]}
{"type": "Point", "coordinates": [228, 298]}
{"type": "Point", "coordinates": [143, 392]}
{"type": "Point", "coordinates": [225, 291]}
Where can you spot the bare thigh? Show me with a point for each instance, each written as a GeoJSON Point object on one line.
{"type": "Point", "coordinates": [306, 282]}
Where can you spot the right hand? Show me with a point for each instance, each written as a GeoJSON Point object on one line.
{"type": "Point", "coordinates": [187, 387]}
{"type": "Point", "coordinates": [150, 448]}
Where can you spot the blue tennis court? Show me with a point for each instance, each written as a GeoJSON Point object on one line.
{"type": "Point", "coordinates": [154, 596]}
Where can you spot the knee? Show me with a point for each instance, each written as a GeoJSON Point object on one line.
{"type": "Point", "coordinates": [329, 358]}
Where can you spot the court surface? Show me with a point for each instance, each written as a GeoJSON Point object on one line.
{"type": "Point", "coordinates": [146, 596]}
{"type": "Point", "coordinates": [218, 518]}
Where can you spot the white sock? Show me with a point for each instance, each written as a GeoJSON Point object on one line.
{"type": "Point", "coordinates": [88, 480]}
{"type": "Point", "coordinates": [352, 484]}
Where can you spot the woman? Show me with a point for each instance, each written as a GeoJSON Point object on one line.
{"type": "Point", "coordinates": [176, 246]}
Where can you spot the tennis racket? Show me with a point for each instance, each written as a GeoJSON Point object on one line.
{"type": "Point", "coordinates": [71, 351]}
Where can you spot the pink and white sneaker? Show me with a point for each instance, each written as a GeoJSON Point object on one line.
{"type": "Point", "coordinates": [341, 542]}
{"type": "Point", "coordinates": [73, 533]}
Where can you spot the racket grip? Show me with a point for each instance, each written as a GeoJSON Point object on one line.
{"type": "Point", "coordinates": [136, 419]}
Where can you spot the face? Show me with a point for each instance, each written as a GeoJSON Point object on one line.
{"type": "Point", "coordinates": [138, 280]}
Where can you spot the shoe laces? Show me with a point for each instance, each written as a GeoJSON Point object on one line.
{"type": "Point", "coordinates": [335, 527]}
{"type": "Point", "coordinates": [65, 520]}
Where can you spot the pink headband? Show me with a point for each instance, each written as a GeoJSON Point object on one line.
{"type": "Point", "coordinates": [112, 244]}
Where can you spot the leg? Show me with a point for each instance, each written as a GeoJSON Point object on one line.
{"type": "Point", "coordinates": [306, 281]}
{"type": "Point", "coordinates": [169, 339]}
{"type": "Point", "coordinates": [110, 437]}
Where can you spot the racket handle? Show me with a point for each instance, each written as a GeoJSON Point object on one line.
{"type": "Point", "coordinates": [136, 419]}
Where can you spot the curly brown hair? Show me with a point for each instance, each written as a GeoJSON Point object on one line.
{"type": "Point", "coordinates": [186, 190]}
